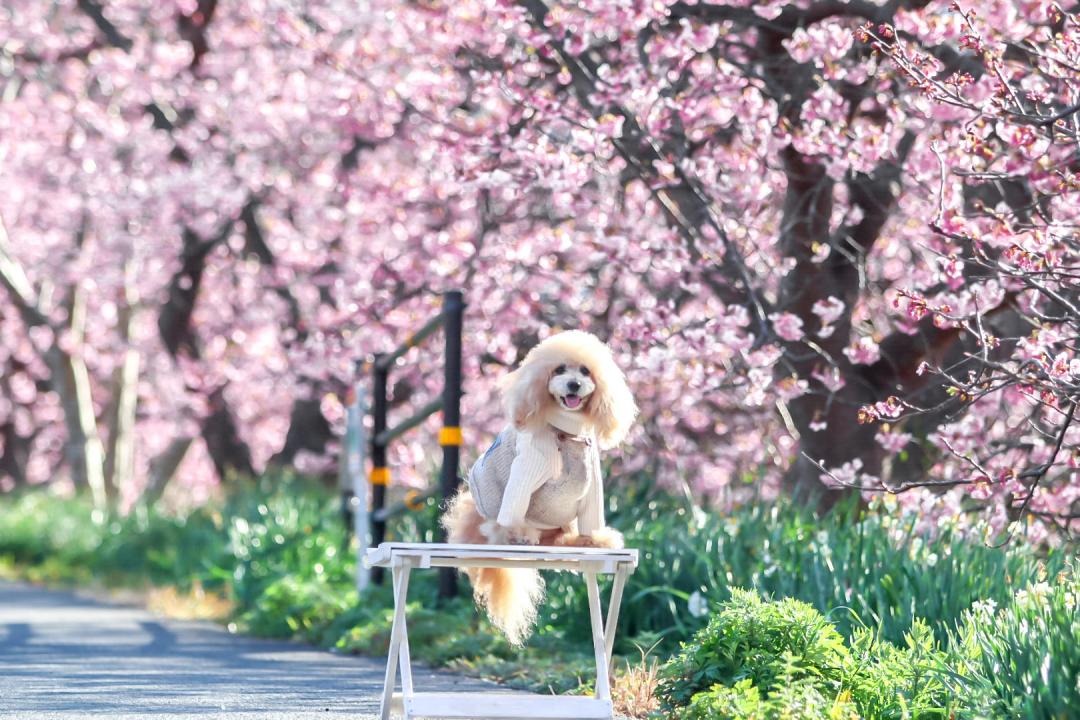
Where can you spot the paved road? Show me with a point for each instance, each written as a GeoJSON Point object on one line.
{"type": "Point", "coordinates": [67, 656]}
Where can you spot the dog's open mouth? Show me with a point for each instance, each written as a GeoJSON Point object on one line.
{"type": "Point", "coordinates": [571, 401]}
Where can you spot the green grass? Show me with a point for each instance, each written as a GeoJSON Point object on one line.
{"type": "Point", "coordinates": [863, 568]}
{"type": "Point", "coordinates": [277, 549]}
{"type": "Point", "coordinates": [1022, 659]}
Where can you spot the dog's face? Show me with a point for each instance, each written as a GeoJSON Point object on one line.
{"type": "Point", "coordinates": [571, 384]}
{"type": "Point", "coordinates": [576, 372]}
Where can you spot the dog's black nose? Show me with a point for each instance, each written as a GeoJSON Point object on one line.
{"type": "Point", "coordinates": [573, 386]}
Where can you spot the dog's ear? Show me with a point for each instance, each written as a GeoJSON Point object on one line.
{"type": "Point", "coordinates": [526, 394]}
{"type": "Point", "coordinates": [611, 407]}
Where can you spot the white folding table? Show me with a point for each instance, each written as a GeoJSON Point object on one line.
{"type": "Point", "coordinates": [590, 562]}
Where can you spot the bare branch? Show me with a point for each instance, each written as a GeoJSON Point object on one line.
{"type": "Point", "coordinates": [94, 10]}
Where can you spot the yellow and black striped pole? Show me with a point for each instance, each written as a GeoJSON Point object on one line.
{"type": "Point", "coordinates": [380, 473]}
{"type": "Point", "coordinates": [450, 435]}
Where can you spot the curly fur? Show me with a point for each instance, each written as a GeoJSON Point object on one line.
{"type": "Point", "coordinates": [609, 538]}
{"type": "Point", "coordinates": [511, 596]}
{"type": "Point", "coordinates": [610, 409]}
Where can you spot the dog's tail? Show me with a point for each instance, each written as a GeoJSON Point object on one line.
{"type": "Point", "coordinates": [509, 595]}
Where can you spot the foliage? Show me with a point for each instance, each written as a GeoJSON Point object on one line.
{"type": "Point", "coordinates": [164, 548]}
{"type": "Point", "coordinates": [54, 537]}
{"type": "Point", "coordinates": [717, 673]}
{"type": "Point", "coordinates": [906, 681]}
{"type": "Point", "coordinates": [292, 606]}
{"type": "Point", "coordinates": [792, 700]}
{"type": "Point", "coordinates": [768, 644]}
{"type": "Point", "coordinates": [285, 535]}
{"type": "Point", "coordinates": [1021, 659]}
{"type": "Point", "coordinates": [859, 565]}
{"type": "Point", "coordinates": [1018, 661]}
{"type": "Point", "coordinates": [759, 658]}
{"type": "Point", "coordinates": [861, 619]}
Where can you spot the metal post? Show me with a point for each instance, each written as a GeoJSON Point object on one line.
{"type": "Point", "coordinates": [380, 473]}
{"type": "Point", "coordinates": [360, 496]}
{"type": "Point", "coordinates": [345, 481]}
{"type": "Point", "coordinates": [450, 435]}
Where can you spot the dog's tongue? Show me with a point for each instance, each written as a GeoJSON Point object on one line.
{"type": "Point", "coordinates": [572, 401]}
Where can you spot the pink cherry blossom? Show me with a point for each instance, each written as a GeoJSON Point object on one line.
{"type": "Point", "coordinates": [829, 310]}
{"type": "Point", "coordinates": [787, 326]}
{"type": "Point", "coordinates": [234, 206]}
{"type": "Point", "coordinates": [863, 351]}
{"type": "Point", "coordinates": [892, 442]}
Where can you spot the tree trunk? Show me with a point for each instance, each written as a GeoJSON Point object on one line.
{"type": "Point", "coordinates": [71, 381]}
{"type": "Point", "coordinates": [83, 451]}
{"type": "Point", "coordinates": [120, 453]}
{"type": "Point", "coordinates": [163, 468]}
{"type": "Point", "coordinates": [69, 377]}
{"type": "Point", "coordinates": [14, 454]}
{"type": "Point", "coordinates": [807, 210]}
{"type": "Point", "coordinates": [230, 454]}
{"type": "Point", "coordinates": [308, 430]}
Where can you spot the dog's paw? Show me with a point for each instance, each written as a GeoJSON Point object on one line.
{"type": "Point", "coordinates": [607, 538]}
{"type": "Point", "coordinates": [522, 536]}
{"type": "Point", "coordinates": [569, 539]}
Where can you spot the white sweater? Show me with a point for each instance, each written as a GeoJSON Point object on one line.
{"type": "Point", "coordinates": [544, 479]}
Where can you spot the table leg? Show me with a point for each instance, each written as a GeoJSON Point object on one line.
{"type": "Point", "coordinates": [406, 662]}
{"type": "Point", "coordinates": [397, 632]}
{"type": "Point", "coordinates": [603, 690]}
{"type": "Point", "coordinates": [614, 603]}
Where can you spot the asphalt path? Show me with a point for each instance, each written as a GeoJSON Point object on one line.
{"type": "Point", "coordinates": [65, 655]}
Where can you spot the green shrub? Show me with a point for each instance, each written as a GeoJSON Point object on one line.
{"type": "Point", "coordinates": [792, 700]}
{"type": "Point", "coordinates": [784, 659]}
{"type": "Point", "coordinates": [890, 682]}
{"type": "Point", "coordinates": [54, 537]}
{"type": "Point", "coordinates": [164, 549]}
{"type": "Point", "coordinates": [285, 534]}
{"type": "Point", "coordinates": [293, 606]}
{"type": "Point", "coordinates": [766, 643]}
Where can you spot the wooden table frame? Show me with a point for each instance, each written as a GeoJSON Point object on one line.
{"type": "Point", "coordinates": [401, 558]}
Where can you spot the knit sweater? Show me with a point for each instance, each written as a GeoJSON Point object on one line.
{"type": "Point", "coordinates": [543, 479]}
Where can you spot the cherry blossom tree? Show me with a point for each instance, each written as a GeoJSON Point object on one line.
{"type": "Point", "coordinates": [786, 217]}
{"type": "Point", "coordinates": [791, 175]}
{"type": "Point", "coordinates": [1005, 239]}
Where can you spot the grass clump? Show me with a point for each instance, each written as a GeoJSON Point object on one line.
{"type": "Point", "coordinates": [1022, 660]}
{"type": "Point", "coordinates": [634, 691]}
{"type": "Point", "coordinates": [885, 569]}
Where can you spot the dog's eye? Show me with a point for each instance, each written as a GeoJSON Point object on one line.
{"type": "Point", "coordinates": [560, 370]}
{"type": "Point", "coordinates": [585, 371]}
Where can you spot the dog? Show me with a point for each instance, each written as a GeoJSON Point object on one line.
{"type": "Point", "coordinates": [540, 481]}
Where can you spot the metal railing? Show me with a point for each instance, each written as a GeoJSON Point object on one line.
{"type": "Point", "coordinates": [450, 320]}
